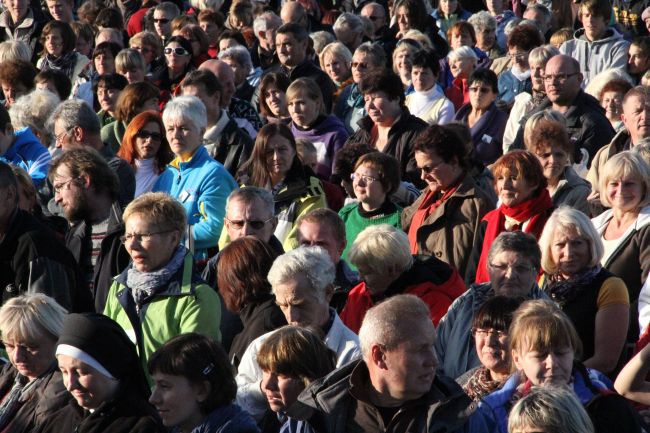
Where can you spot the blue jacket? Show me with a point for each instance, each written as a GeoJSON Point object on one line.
{"type": "Point", "coordinates": [28, 153]}
{"type": "Point", "coordinates": [510, 86]}
{"type": "Point", "coordinates": [202, 186]}
{"type": "Point", "coordinates": [487, 132]}
{"type": "Point", "coordinates": [226, 419]}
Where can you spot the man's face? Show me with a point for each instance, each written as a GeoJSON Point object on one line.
{"type": "Point", "coordinates": [300, 303]}
{"type": "Point", "coordinates": [13, 92]}
{"type": "Point", "coordinates": [70, 194]}
{"type": "Point", "coordinates": [312, 234]}
{"type": "Point", "coordinates": [538, 18]}
{"type": "Point", "coordinates": [60, 10]}
{"type": "Point", "coordinates": [162, 22]}
{"type": "Point", "coordinates": [409, 369]}
{"type": "Point", "coordinates": [17, 9]}
{"type": "Point", "coordinates": [64, 138]}
{"type": "Point", "coordinates": [211, 102]}
{"type": "Point", "coordinates": [376, 15]}
{"type": "Point", "coordinates": [249, 219]}
{"type": "Point", "coordinates": [562, 81]}
{"type": "Point", "coordinates": [637, 61]}
{"type": "Point", "coordinates": [290, 51]}
{"type": "Point", "coordinates": [594, 25]}
{"type": "Point", "coordinates": [226, 77]}
{"type": "Point", "coordinates": [636, 117]}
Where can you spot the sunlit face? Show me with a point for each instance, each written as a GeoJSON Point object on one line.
{"type": "Point", "coordinates": [594, 25]}
{"type": "Point", "coordinates": [68, 194]}
{"type": "Point", "coordinates": [513, 189]}
{"type": "Point", "coordinates": [147, 141]}
{"type": "Point", "coordinates": [183, 137]}
{"type": "Point", "coordinates": [403, 19]}
{"type": "Point", "coordinates": [481, 95]}
{"type": "Point", "coordinates": [303, 109]}
{"type": "Point", "coordinates": [511, 274]}
{"type": "Point", "coordinates": [636, 117]}
{"type": "Point", "coordinates": [249, 219]}
{"type": "Point", "coordinates": [104, 63]}
{"type": "Point", "coordinates": [300, 303]}
{"type": "Point", "coordinates": [88, 387]}
{"type": "Point", "coordinates": [461, 39]}
{"type": "Point", "coordinates": [17, 8]}
{"type": "Point", "coordinates": [276, 101]}
{"type": "Point", "coordinates": [337, 69]}
{"type": "Point", "coordinates": [360, 65]}
{"type": "Point", "coordinates": [60, 10]}
{"type": "Point", "coordinates": [562, 80]}
{"type": "Point", "coordinates": [403, 60]}
{"type": "Point", "coordinates": [13, 91]}
{"type": "Point", "coordinates": [570, 252]}
{"type": "Point", "coordinates": [281, 390]}
{"type": "Point", "coordinates": [537, 75]}
{"type": "Point", "coordinates": [381, 109]}
{"type": "Point", "coordinates": [462, 67]}
{"type": "Point", "coordinates": [315, 234]}
{"type": "Point", "coordinates": [493, 349]}
{"type": "Point", "coordinates": [612, 102]}
{"type": "Point", "coordinates": [367, 186]}
{"type": "Point", "coordinates": [31, 358]}
{"type": "Point", "coordinates": [486, 38]}
{"type": "Point", "coordinates": [107, 98]}
{"type": "Point", "coordinates": [625, 194]}
{"type": "Point", "coordinates": [54, 43]}
{"type": "Point", "coordinates": [226, 43]}
{"type": "Point", "coordinates": [162, 23]}
{"type": "Point", "coordinates": [149, 245]}
{"type": "Point", "coordinates": [553, 159]}
{"type": "Point", "coordinates": [178, 401]}
{"type": "Point", "coordinates": [519, 57]}
{"type": "Point", "coordinates": [438, 174]}
{"type": "Point", "coordinates": [423, 78]}
{"type": "Point", "coordinates": [279, 156]}
{"type": "Point", "coordinates": [638, 62]}
{"type": "Point", "coordinates": [546, 367]}
{"type": "Point", "coordinates": [176, 61]}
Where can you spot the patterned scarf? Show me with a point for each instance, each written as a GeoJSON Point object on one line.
{"type": "Point", "coordinates": [15, 398]}
{"type": "Point", "coordinates": [481, 384]}
{"type": "Point", "coordinates": [65, 64]}
{"type": "Point", "coordinates": [144, 285]}
{"type": "Point", "coordinates": [563, 291]}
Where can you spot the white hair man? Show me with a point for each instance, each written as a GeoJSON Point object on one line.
{"type": "Point", "coordinates": [395, 384]}
{"type": "Point", "coordinates": [302, 284]}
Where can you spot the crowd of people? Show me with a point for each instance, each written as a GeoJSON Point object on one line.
{"type": "Point", "coordinates": [324, 216]}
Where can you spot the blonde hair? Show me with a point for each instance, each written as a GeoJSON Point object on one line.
{"type": "Point", "coordinates": [625, 165]}
{"type": "Point", "coordinates": [307, 87]}
{"type": "Point", "coordinates": [335, 49]}
{"type": "Point", "coordinates": [535, 118]}
{"type": "Point", "coordinates": [129, 59]}
{"type": "Point", "coordinates": [31, 317]}
{"type": "Point", "coordinates": [564, 220]}
{"type": "Point", "coordinates": [159, 209]}
{"type": "Point", "coordinates": [380, 248]}
{"type": "Point", "coordinates": [418, 36]}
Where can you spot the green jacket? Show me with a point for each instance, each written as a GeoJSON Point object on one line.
{"type": "Point", "coordinates": [186, 304]}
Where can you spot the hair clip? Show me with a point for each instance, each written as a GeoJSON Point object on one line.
{"type": "Point", "coordinates": [208, 369]}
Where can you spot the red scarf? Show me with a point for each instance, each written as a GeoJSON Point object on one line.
{"type": "Point", "coordinates": [533, 210]}
{"type": "Point", "coordinates": [427, 207]}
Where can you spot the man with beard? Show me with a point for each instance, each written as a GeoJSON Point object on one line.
{"type": "Point", "coordinates": [87, 190]}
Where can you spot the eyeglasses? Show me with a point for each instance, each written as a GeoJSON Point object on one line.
{"type": "Point", "coordinates": [518, 268]}
{"type": "Point", "coordinates": [360, 65]}
{"type": "Point", "coordinates": [179, 51]}
{"type": "Point", "coordinates": [143, 134]}
{"type": "Point", "coordinates": [485, 334]}
{"type": "Point", "coordinates": [561, 78]}
{"type": "Point", "coordinates": [256, 225]}
{"type": "Point", "coordinates": [59, 137]}
{"type": "Point", "coordinates": [141, 238]}
{"type": "Point", "coordinates": [431, 168]}
{"type": "Point", "coordinates": [518, 56]}
{"type": "Point", "coordinates": [362, 177]}
{"type": "Point", "coordinates": [161, 20]}
{"type": "Point", "coordinates": [58, 188]}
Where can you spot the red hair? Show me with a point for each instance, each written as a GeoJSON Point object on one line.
{"type": "Point", "coordinates": [128, 150]}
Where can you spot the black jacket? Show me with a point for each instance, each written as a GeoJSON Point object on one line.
{"type": "Point", "coordinates": [308, 69]}
{"type": "Point", "coordinates": [33, 260]}
{"type": "Point", "coordinates": [232, 148]}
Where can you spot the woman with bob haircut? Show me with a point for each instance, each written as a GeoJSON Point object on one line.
{"type": "Point", "coordinates": [412, 14]}
{"type": "Point", "coordinates": [130, 64]}
{"type": "Point", "coordinates": [545, 351]}
{"type": "Point", "coordinates": [546, 136]}
{"type": "Point", "coordinates": [382, 255]}
{"type": "Point", "coordinates": [625, 230]}
{"type": "Point", "coordinates": [596, 301]}
{"type": "Point", "coordinates": [445, 219]}
{"type": "Point", "coordinates": [290, 359]}
{"type": "Point", "coordinates": [31, 386]}
{"type": "Point", "coordinates": [146, 149]}
{"type": "Point", "coordinates": [462, 62]}
{"type": "Point", "coordinates": [241, 278]}
{"type": "Point", "coordinates": [273, 97]}
{"type": "Point", "coordinates": [525, 205]}
{"type": "Point", "coordinates": [274, 165]}
{"type": "Point", "coordinates": [335, 60]}
{"type": "Point", "coordinates": [549, 410]}
{"type": "Point", "coordinates": [59, 53]}
{"type": "Point", "coordinates": [194, 387]}
{"type": "Point", "coordinates": [490, 332]}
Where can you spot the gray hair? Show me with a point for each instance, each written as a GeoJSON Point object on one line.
{"type": "Point", "coordinates": [546, 13]}
{"type": "Point", "coordinates": [249, 194]}
{"type": "Point", "coordinates": [265, 21]}
{"type": "Point", "coordinates": [462, 53]}
{"type": "Point", "coordinates": [511, 26]}
{"type": "Point", "coordinates": [482, 20]}
{"type": "Point", "coordinates": [168, 8]}
{"type": "Point", "coordinates": [28, 317]}
{"type": "Point", "coordinates": [321, 39]}
{"type": "Point", "coordinates": [348, 21]}
{"type": "Point", "coordinates": [240, 55]}
{"type": "Point", "coordinates": [374, 51]}
{"type": "Point", "coordinates": [534, 119]}
{"type": "Point", "coordinates": [517, 242]}
{"type": "Point", "coordinates": [312, 262]}
{"type": "Point", "coordinates": [542, 54]}
{"type": "Point", "coordinates": [75, 112]}
{"type": "Point", "coordinates": [390, 322]}
{"type": "Point", "coordinates": [15, 50]}
{"type": "Point", "coordinates": [115, 35]}
{"type": "Point", "coordinates": [186, 107]}
{"type": "Point", "coordinates": [32, 111]}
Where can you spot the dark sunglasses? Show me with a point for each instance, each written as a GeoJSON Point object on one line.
{"type": "Point", "coordinates": [179, 51]}
{"type": "Point", "coordinates": [147, 134]}
{"type": "Point", "coordinates": [256, 225]}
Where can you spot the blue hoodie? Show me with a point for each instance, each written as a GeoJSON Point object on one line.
{"type": "Point", "coordinates": [28, 153]}
{"type": "Point", "coordinates": [226, 419]}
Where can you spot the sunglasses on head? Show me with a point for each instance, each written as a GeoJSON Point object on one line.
{"type": "Point", "coordinates": [179, 51]}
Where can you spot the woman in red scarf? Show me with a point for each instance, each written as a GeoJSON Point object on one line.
{"type": "Point", "coordinates": [525, 205]}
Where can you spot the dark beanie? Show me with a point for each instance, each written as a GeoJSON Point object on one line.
{"type": "Point", "coordinates": [105, 340]}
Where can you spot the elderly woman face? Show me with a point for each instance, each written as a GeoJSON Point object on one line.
{"type": "Point", "coordinates": [177, 57]}
{"type": "Point", "coordinates": [570, 252]}
{"type": "Point", "coordinates": [513, 189]}
{"type": "Point", "coordinates": [625, 193]}
{"type": "Point", "coordinates": [486, 37]}
{"type": "Point", "coordinates": [537, 74]}
{"type": "Point", "coordinates": [481, 95]}
{"type": "Point", "coordinates": [149, 243]}
{"type": "Point", "coordinates": [276, 100]}
{"type": "Point", "coordinates": [553, 160]}
{"type": "Point", "coordinates": [281, 390]}
{"type": "Point", "coordinates": [461, 39]}
{"type": "Point", "coordinates": [381, 109]}
{"type": "Point", "coordinates": [54, 43]}
{"type": "Point", "coordinates": [403, 19]}
{"type": "Point", "coordinates": [612, 102]}
{"type": "Point", "coordinates": [461, 67]}
{"type": "Point", "coordinates": [336, 67]}
{"type": "Point", "coordinates": [88, 386]}
{"type": "Point", "coordinates": [511, 274]}
{"type": "Point", "coordinates": [184, 137]}
{"type": "Point", "coordinates": [492, 349]}
{"type": "Point", "coordinates": [30, 357]}
{"type": "Point", "coordinates": [438, 174]}
{"type": "Point", "coordinates": [279, 156]}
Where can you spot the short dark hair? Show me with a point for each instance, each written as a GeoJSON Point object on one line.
{"type": "Point", "coordinates": [111, 81]}
{"type": "Point", "coordinates": [205, 78]}
{"type": "Point", "coordinates": [383, 81]}
{"type": "Point", "coordinates": [484, 76]}
{"type": "Point", "coordinates": [298, 31]}
{"type": "Point", "coordinates": [387, 166]}
{"type": "Point", "coordinates": [525, 36]}
{"type": "Point", "coordinates": [86, 161]}
{"type": "Point", "coordinates": [105, 48]}
{"type": "Point", "coordinates": [61, 82]}
{"type": "Point", "coordinates": [18, 71]}
{"type": "Point", "coordinates": [183, 42]}
{"type": "Point", "coordinates": [346, 158]}
{"type": "Point", "coordinates": [197, 358]}
{"type": "Point", "coordinates": [7, 176]}
{"type": "Point", "coordinates": [427, 58]}
{"type": "Point", "coordinates": [110, 18]}
{"type": "Point", "coordinates": [232, 34]}
{"type": "Point", "coordinates": [496, 313]}
{"type": "Point", "coordinates": [328, 218]}
{"type": "Point", "coordinates": [444, 142]}
{"type": "Point", "coordinates": [278, 79]}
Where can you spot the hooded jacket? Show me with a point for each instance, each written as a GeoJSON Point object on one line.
{"type": "Point", "coordinates": [350, 107]}
{"type": "Point", "coordinates": [230, 146]}
{"type": "Point", "coordinates": [572, 191]}
{"type": "Point", "coordinates": [328, 135]}
{"type": "Point", "coordinates": [28, 153]}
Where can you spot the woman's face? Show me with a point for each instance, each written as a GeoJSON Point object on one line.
{"type": "Point", "coordinates": [210, 28]}
{"type": "Point", "coordinates": [367, 186]}
{"type": "Point", "coordinates": [30, 358]}
{"type": "Point", "coordinates": [492, 349]}
{"type": "Point", "coordinates": [553, 159]}
{"type": "Point", "coordinates": [546, 367]}
{"type": "Point", "coordinates": [149, 245]}
{"type": "Point", "coordinates": [178, 400]}
{"type": "Point", "coordinates": [134, 75]}
{"type": "Point", "coordinates": [537, 75]}
{"type": "Point", "coordinates": [303, 109]}
{"type": "Point", "coordinates": [570, 252]}
{"type": "Point", "coordinates": [486, 37]}
{"type": "Point", "coordinates": [276, 101]}
{"type": "Point", "coordinates": [84, 46]}
{"type": "Point", "coordinates": [147, 141]}
{"type": "Point", "coordinates": [513, 189]}
{"type": "Point", "coordinates": [226, 43]}
{"type": "Point", "coordinates": [177, 57]}
{"type": "Point", "coordinates": [462, 67]}
{"type": "Point", "coordinates": [438, 174]}
{"type": "Point", "coordinates": [403, 20]}
{"type": "Point", "coordinates": [381, 109]}
{"type": "Point", "coordinates": [625, 194]}
{"type": "Point", "coordinates": [54, 43]}
{"type": "Point", "coordinates": [279, 156]}
{"type": "Point", "coordinates": [281, 390]}
{"type": "Point", "coordinates": [337, 68]}
{"type": "Point", "coordinates": [89, 387]}
{"type": "Point", "coordinates": [519, 57]}
{"type": "Point", "coordinates": [612, 102]}
{"type": "Point", "coordinates": [183, 137]}
{"type": "Point", "coordinates": [448, 7]}
{"type": "Point", "coordinates": [481, 95]}
{"type": "Point", "coordinates": [423, 78]}
{"type": "Point", "coordinates": [360, 66]}
{"type": "Point", "coordinates": [495, 7]}
{"type": "Point", "coordinates": [403, 61]}
{"type": "Point", "coordinates": [147, 52]}
{"type": "Point", "coordinates": [461, 39]}
{"type": "Point", "coordinates": [104, 63]}
{"type": "Point", "coordinates": [107, 98]}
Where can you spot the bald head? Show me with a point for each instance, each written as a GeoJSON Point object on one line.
{"type": "Point", "coordinates": [226, 77]}
{"type": "Point", "coordinates": [562, 80]}
{"type": "Point", "coordinates": [376, 14]}
{"type": "Point", "coordinates": [293, 12]}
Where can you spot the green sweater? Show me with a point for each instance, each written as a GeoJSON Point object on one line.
{"type": "Point", "coordinates": [357, 220]}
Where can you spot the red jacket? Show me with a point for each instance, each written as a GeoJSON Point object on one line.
{"type": "Point", "coordinates": [430, 279]}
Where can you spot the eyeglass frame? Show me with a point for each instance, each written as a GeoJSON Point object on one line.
{"type": "Point", "coordinates": [58, 188]}
{"type": "Point", "coordinates": [366, 179]}
{"type": "Point", "coordinates": [488, 333]}
{"type": "Point", "coordinates": [518, 268]}
{"type": "Point", "coordinates": [561, 78]}
{"type": "Point", "coordinates": [143, 238]}
{"type": "Point", "coordinates": [255, 224]}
